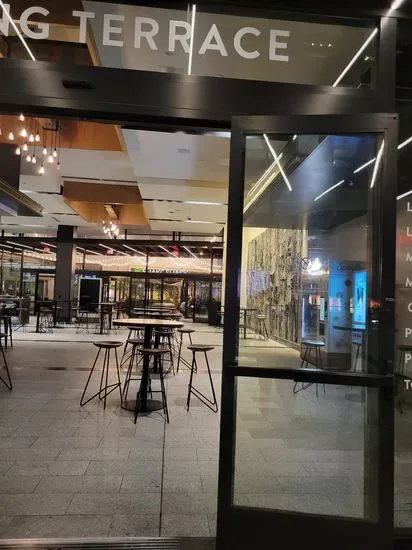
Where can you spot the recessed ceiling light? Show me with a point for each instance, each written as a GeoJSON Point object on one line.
{"type": "Point", "coordinates": [183, 150]}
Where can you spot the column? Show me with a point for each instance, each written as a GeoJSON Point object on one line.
{"type": "Point", "coordinates": [65, 269]}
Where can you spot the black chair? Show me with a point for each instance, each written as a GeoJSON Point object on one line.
{"type": "Point", "coordinates": [157, 354]}
{"type": "Point", "coordinates": [182, 332]}
{"type": "Point", "coordinates": [7, 382]}
{"type": "Point", "coordinates": [211, 404]}
{"type": "Point", "coordinates": [310, 346]}
{"type": "Point", "coordinates": [46, 319]}
{"type": "Point", "coordinates": [104, 379]}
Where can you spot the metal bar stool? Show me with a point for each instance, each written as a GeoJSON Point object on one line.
{"type": "Point", "coordinates": [104, 379]}
{"type": "Point", "coordinates": [7, 382]}
{"type": "Point", "coordinates": [157, 354]}
{"type": "Point", "coordinates": [134, 343]}
{"type": "Point", "coordinates": [261, 326]}
{"type": "Point", "coordinates": [212, 405]}
{"type": "Point", "coordinates": [134, 333]}
{"type": "Point", "coordinates": [182, 332]}
{"type": "Point", "coordinates": [310, 345]}
{"type": "Point", "coordinates": [166, 337]}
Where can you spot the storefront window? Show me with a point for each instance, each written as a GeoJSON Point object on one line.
{"type": "Point", "coordinates": [195, 42]}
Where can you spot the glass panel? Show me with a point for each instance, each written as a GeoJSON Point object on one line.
{"type": "Point", "coordinates": [137, 293]}
{"type": "Point", "coordinates": [316, 50]}
{"type": "Point", "coordinates": [310, 452]}
{"type": "Point", "coordinates": [172, 291]}
{"type": "Point", "coordinates": [154, 291]}
{"type": "Point", "coordinates": [306, 258]}
{"type": "Point", "coordinates": [201, 303]}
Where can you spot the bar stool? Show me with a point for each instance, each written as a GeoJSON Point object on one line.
{"type": "Point", "coordinates": [261, 326]}
{"type": "Point", "coordinates": [166, 335]}
{"type": "Point", "coordinates": [134, 343]}
{"type": "Point", "coordinates": [157, 354]}
{"type": "Point", "coordinates": [134, 332]}
{"type": "Point", "coordinates": [310, 345]}
{"type": "Point", "coordinates": [7, 382]}
{"type": "Point", "coordinates": [182, 332]}
{"type": "Point", "coordinates": [212, 405]}
{"type": "Point", "coordinates": [107, 347]}
{"type": "Point", "coordinates": [46, 323]}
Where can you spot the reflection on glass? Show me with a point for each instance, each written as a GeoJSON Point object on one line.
{"type": "Point", "coordinates": [306, 259]}
{"type": "Point", "coordinates": [172, 291]}
{"type": "Point", "coordinates": [309, 455]}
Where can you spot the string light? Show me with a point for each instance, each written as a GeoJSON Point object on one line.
{"type": "Point", "coordinates": [25, 147]}
{"type": "Point", "coordinates": [11, 136]}
{"type": "Point", "coordinates": [41, 170]}
{"type": "Point", "coordinates": [22, 117]}
{"type": "Point", "coordinates": [45, 151]}
{"type": "Point", "coordinates": [50, 159]}
{"type": "Point", "coordinates": [37, 138]}
{"type": "Point", "coordinates": [18, 151]}
{"type": "Point", "coordinates": [31, 138]}
{"type": "Point", "coordinates": [28, 158]}
{"type": "Point", "coordinates": [23, 133]}
{"type": "Point", "coordinates": [33, 159]}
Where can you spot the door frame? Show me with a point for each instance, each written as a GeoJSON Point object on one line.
{"type": "Point", "coordinates": [239, 526]}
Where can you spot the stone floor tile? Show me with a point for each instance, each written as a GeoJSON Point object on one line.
{"type": "Point", "coordinates": [94, 454]}
{"type": "Point", "coordinates": [80, 484]}
{"type": "Point", "coordinates": [56, 467]}
{"type": "Point", "coordinates": [185, 526]}
{"type": "Point", "coordinates": [134, 526]}
{"type": "Point", "coordinates": [56, 526]}
{"type": "Point", "coordinates": [34, 504]}
{"type": "Point", "coordinates": [15, 484]}
{"type": "Point", "coordinates": [125, 467]}
{"type": "Point", "coordinates": [122, 503]}
{"type": "Point", "coordinates": [141, 483]}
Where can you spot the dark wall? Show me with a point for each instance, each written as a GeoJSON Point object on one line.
{"type": "Point", "coordinates": [9, 164]}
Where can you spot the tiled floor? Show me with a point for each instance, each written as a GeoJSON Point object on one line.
{"type": "Point", "coordinates": [71, 471]}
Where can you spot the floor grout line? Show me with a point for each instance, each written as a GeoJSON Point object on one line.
{"type": "Point", "coordinates": [162, 478]}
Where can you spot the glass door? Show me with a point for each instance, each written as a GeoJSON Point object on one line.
{"type": "Point", "coordinates": [306, 452]}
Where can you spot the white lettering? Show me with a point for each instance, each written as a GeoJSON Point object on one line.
{"type": "Point", "coordinates": [43, 28]}
{"type": "Point", "coordinates": [408, 257]}
{"type": "Point", "coordinates": [410, 307]}
{"type": "Point", "coordinates": [108, 30]}
{"type": "Point", "coordinates": [84, 16]}
{"type": "Point", "coordinates": [213, 34]}
{"type": "Point", "coordinates": [408, 207]}
{"type": "Point", "coordinates": [408, 357]}
{"type": "Point", "coordinates": [408, 282]}
{"type": "Point", "coordinates": [408, 332]}
{"type": "Point", "coordinates": [238, 46]}
{"type": "Point", "coordinates": [407, 383]}
{"type": "Point", "coordinates": [275, 45]}
{"type": "Point", "coordinates": [408, 232]}
{"type": "Point", "coordinates": [139, 33]}
{"type": "Point", "coordinates": [5, 21]}
{"type": "Point", "coordinates": [182, 38]}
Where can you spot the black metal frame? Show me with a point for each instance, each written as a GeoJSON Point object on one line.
{"type": "Point", "coordinates": [240, 527]}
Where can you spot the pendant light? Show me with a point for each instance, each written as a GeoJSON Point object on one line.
{"type": "Point", "coordinates": [28, 158]}
{"type": "Point", "coordinates": [25, 147]}
{"type": "Point", "coordinates": [22, 117]}
{"type": "Point", "coordinates": [18, 150]}
{"type": "Point", "coordinates": [11, 136]}
{"type": "Point", "coordinates": [23, 133]}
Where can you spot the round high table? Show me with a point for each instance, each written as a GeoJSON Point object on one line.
{"type": "Point", "coordinates": [147, 405]}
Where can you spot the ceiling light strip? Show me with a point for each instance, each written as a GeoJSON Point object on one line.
{"type": "Point", "coordinates": [48, 244]}
{"type": "Point", "coordinates": [277, 161]}
{"type": "Point", "coordinates": [328, 190]}
{"type": "Point", "coordinates": [192, 37]}
{"type": "Point", "coordinates": [399, 197]}
{"type": "Point", "coordinates": [356, 57]}
{"type": "Point", "coordinates": [165, 249]}
{"type": "Point", "coordinates": [190, 252]}
{"type": "Point", "coordinates": [135, 251]}
{"type": "Point", "coordinates": [377, 163]}
{"type": "Point", "coordinates": [13, 24]}
{"type": "Point", "coordinates": [364, 165]}
{"type": "Point", "coordinates": [21, 245]}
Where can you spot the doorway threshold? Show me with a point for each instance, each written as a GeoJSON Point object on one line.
{"type": "Point", "coordinates": [152, 543]}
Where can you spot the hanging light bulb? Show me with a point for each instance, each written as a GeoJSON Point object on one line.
{"type": "Point", "coordinates": [55, 153]}
{"type": "Point", "coordinates": [41, 170]}
{"type": "Point", "coordinates": [18, 150]}
{"type": "Point", "coordinates": [37, 138]}
{"type": "Point", "coordinates": [21, 117]}
{"type": "Point", "coordinates": [33, 159]}
{"type": "Point", "coordinates": [45, 151]}
{"type": "Point", "coordinates": [28, 158]}
{"type": "Point", "coordinates": [31, 138]}
{"type": "Point", "coordinates": [23, 133]}
{"type": "Point", "coordinates": [58, 165]}
{"type": "Point", "coordinates": [11, 136]}
{"type": "Point", "coordinates": [50, 159]}
{"type": "Point", "coordinates": [25, 146]}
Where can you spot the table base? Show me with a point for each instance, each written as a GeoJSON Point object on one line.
{"type": "Point", "coordinates": [152, 405]}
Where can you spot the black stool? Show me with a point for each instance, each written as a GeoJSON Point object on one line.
{"type": "Point", "coordinates": [46, 322]}
{"type": "Point", "coordinates": [165, 336]}
{"type": "Point", "coordinates": [310, 345]}
{"type": "Point", "coordinates": [212, 405]}
{"type": "Point", "coordinates": [133, 343]}
{"type": "Point", "coordinates": [157, 354]}
{"type": "Point", "coordinates": [7, 382]}
{"type": "Point", "coordinates": [189, 332]}
{"type": "Point", "coordinates": [134, 332]}
{"type": "Point", "coordinates": [107, 346]}
{"type": "Point", "coordinates": [261, 326]}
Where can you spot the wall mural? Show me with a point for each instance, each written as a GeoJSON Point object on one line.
{"type": "Point", "coordinates": [274, 280]}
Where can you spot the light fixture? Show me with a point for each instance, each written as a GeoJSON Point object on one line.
{"type": "Point", "coordinates": [356, 56]}
{"type": "Point", "coordinates": [58, 165]}
{"type": "Point", "coordinates": [28, 158]}
{"type": "Point", "coordinates": [277, 162]}
{"type": "Point", "coordinates": [11, 135]}
{"type": "Point", "coordinates": [328, 190]}
{"type": "Point", "coordinates": [190, 252]}
{"type": "Point", "coordinates": [13, 24]}
{"type": "Point", "coordinates": [18, 150]}
{"type": "Point", "coordinates": [399, 197]}
{"type": "Point", "coordinates": [21, 117]}
{"type": "Point", "coordinates": [294, 137]}
{"type": "Point", "coordinates": [50, 159]}
{"type": "Point", "coordinates": [41, 170]}
{"type": "Point", "coordinates": [37, 138]}
{"type": "Point", "coordinates": [133, 250]}
{"type": "Point", "coordinates": [45, 151]}
{"type": "Point", "coordinates": [31, 138]}
{"type": "Point", "coordinates": [204, 221]}
{"type": "Point", "coordinates": [377, 163]}
{"type": "Point", "coordinates": [25, 147]}
{"type": "Point", "coordinates": [21, 245]}
{"type": "Point", "coordinates": [23, 133]}
{"type": "Point", "coordinates": [364, 165]}
{"type": "Point", "coordinates": [192, 38]}
{"type": "Point", "coordinates": [404, 143]}
{"type": "Point", "coordinates": [33, 159]}
{"type": "Point", "coordinates": [55, 153]}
